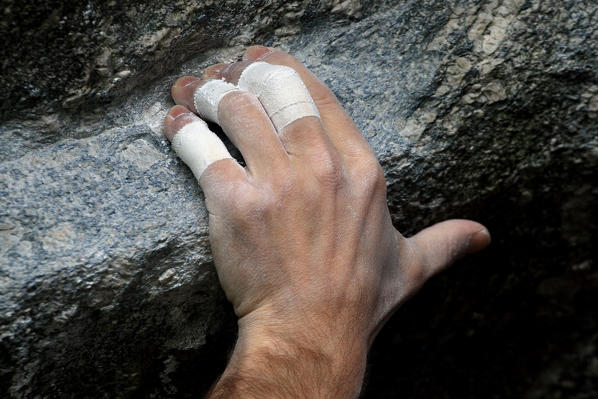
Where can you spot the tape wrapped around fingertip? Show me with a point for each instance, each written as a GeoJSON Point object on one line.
{"type": "Point", "coordinates": [207, 98]}
{"type": "Point", "coordinates": [279, 88]}
{"type": "Point", "coordinates": [281, 91]}
{"type": "Point", "coordinates": [198, 147]}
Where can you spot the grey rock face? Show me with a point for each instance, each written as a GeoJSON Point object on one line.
{"type": "Point", "coordinates": [483, 109]}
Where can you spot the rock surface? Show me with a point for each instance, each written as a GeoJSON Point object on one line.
{"type": "Point", "coordinates": [485, 109]}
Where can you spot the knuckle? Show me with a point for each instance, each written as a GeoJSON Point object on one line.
{"type": "Point", "coordinates": [285, 183]}
{"type": "Point", "coordinates": [323, 96]}
{"type": "Point", "coordinates": [280, 188]}
{"type": "Point", "coordinates": [370, 176]}
{"type": "Point", "coordinates": [249, 204]}
{"type": "Point", "coordinates": [328, 170]}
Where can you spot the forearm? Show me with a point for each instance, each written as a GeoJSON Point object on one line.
{"type": "Point", "coordinates": [262, 367]}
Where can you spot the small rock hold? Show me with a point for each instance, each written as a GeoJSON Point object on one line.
{"type": "Point", "coordinates": [494, 92]}
{"type": "Point", "coordinates": [166, 276]}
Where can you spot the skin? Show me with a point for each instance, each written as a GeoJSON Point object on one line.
{"type": "Point", "coordinates": [303, 241]}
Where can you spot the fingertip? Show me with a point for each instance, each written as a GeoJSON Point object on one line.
{"type": "Point", "coordinates": [184, 81]}
{"type": "Point", "coordinates": [182, 90]}
{"type": "Point", "coordinates": [177, 117]}
{"type": "Point", "coordinates": [231, 73]}
{"type": "Point", "coordinates": [214, 71]}
{"type": "Point", "coordinates": [469, 236]}
{"type": "Point", "coordinates": [257, 52]}
{"type": "Point", "coordinates": [473, 235]}
{"type": "Point", "coordinates": [445, 242]}
{"type": "Point", "coordinates": [479, 240]}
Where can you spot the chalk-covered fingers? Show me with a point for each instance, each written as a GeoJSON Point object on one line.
{"type": "Point", "coordinates": [279, 88]}
{"type": "Point", "coordinates": [287, 102]}
{"type": "Point", "coordinates": [339, 126]}
{"type": "Point", "coordinates": [241, 116]}
{"type": "Point", "coordinates": [201, 149]}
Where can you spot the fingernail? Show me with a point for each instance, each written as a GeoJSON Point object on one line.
{"type": "Point", "coordinates": [174, 118]}
{"type": "Point", "coordinates": [177, 83]}
{"type": "Point", "coordinates": [255, 53]}
{"type": "Point", "coordinates": [177, 112]}
{"type": "Point", "coordinates": [484, 233]}
{"type": "Point", "coordinates": [479, 240]}
{"type": "Point", "coordinates": [184, 81]}
{"type": "Point", "coordinates": [213, 71]}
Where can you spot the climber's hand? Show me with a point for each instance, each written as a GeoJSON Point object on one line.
{"type": "Point", "coordinates": [302, 237]}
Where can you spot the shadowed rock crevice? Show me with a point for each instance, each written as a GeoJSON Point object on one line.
{"type": "Point", "coordinates": [77, 56]}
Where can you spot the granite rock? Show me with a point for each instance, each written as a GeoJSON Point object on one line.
{"type": "Point", "coordinates": [485, 109]}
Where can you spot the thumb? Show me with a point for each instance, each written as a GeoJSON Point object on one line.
{"type": "Point", "coordinates": [437, 246]}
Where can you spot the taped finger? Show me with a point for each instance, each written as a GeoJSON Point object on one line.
{"type": "Point", "coordinates": [207, 97]}
{"type": "Point", "coordinates": [286, 102]}
{"type": "Point", "coordinates": [339, 126]}
{"type": "Point", "coordinates": [192, 140]}
{"type": "Point", "coordinates": [281, 92]}
{"type": "Point", "coordinates": [242, 118]}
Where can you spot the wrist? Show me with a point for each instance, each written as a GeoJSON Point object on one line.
{"type": "Point", "coordinates": [271, 360]}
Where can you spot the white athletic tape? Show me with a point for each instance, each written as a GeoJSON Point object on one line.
{"type": "Point", "coordinates": [198, 147]}
{"type": "Point", "coordinates": [280, 90]}
{"type": "Point", "coordinates": [207, 98]}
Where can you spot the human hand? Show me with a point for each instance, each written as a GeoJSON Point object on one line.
{"type": "Point", "coordinates": [302, 237]}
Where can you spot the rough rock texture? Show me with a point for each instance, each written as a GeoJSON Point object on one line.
{"type": "Point", "coordinates": [486, 109]}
